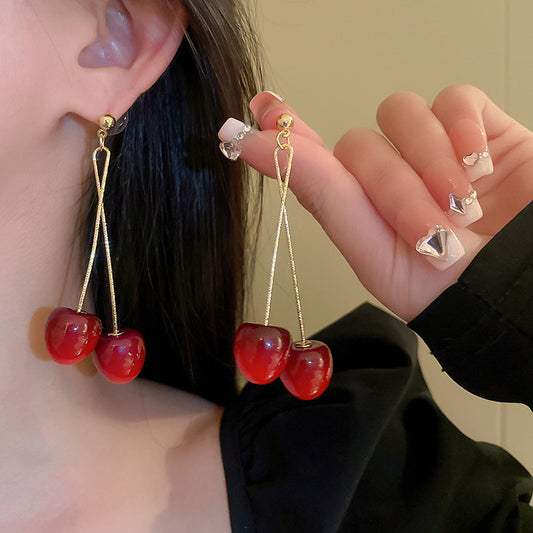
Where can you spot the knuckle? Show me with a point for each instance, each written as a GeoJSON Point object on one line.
{"type": "Point", "coordinates": [354, 140]}
{"type": "Point", "coordinates": [398, 101]}
{"type": "Point", "coordinates": [457, 91]}
{"type": "Point", "coordinates": [311, 196]}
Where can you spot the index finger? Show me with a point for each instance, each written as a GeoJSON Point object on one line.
{"type": "Point", "coordinates": [317, 176]}
{"type": "Point", "coordinates": [325, 188]}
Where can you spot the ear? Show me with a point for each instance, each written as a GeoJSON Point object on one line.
{"type": "Point", "coordinates": [132, 43]}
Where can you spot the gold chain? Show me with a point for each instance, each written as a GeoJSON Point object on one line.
{"type": "Point", "coordinates": [284, 144]}
{"type": "Point", "coordinates": [101, 221]}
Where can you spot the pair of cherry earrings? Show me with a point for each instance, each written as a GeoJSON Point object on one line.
{"type": "Point", "coordinates": [264, 352]}
{"type": "Point", "coordinates": [71, 335]}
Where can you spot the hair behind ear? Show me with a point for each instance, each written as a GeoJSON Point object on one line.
{"type": "Point", "coordinates": [178, 209]}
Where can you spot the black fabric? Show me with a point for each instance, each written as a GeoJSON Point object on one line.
{"type": "Point", "coordinates": [374, 453]}
{"type": "Point", "coordinates": [484, 340]}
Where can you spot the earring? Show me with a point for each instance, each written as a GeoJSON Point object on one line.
{"type": "Point", "coordinates": [264, 352]}
{"type": "Point", "coordinates": [71, 335]}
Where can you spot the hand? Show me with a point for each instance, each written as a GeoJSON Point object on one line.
{"type": "Point", "coordinates": [376, 199]}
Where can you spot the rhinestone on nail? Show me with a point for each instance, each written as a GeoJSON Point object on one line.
{"type": "Point", "coordinates": [240, 136]}
{"type": "Point", "coordinates": [434, 243]}
{"type": "Point", "coordinates": [459, 204]}
{"type": "Point", "coordinates": [232, 150]}
{"type": "Point", "coordinates": [471, 159]}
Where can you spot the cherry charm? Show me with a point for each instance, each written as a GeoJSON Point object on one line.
{"type": "Point", "coordinates": [120, 357]}
{"type": "Point", "coordinates": [265, 352]}
{"type": "Point", "coordinates": [261, 351]}
{"type": "Point", "coordinates": [71, 336]}
{"type": "Point", "coordinates": [309, 369]}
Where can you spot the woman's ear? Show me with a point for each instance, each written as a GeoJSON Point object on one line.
{"type": "Point", "coordinates": [132, 43]}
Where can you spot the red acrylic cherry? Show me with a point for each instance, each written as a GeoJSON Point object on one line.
{"type": "Point", "coordinates": [120, 357]}
{"type": "Point", "coordinates": [261, 351]}
{"type": "Point", "coordinates": [308, 371]}
{"type": "Point", "coordinates": [71, 336]}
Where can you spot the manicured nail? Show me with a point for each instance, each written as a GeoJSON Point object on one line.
{"type": "Point", "coordinates": [233, 129]}
{"type": "Point", "coordinates": [230, 150]}
{"type": "Point", "coordinates": [275, 95]}
{"type": "Point", "coordinates": [441, 247]}
{"type": "Point", "coordinates": [263, 101]}
{"type": "Point", "coordinates": [467, 210]}
{"type": "Point", "coordinates": [478, 164]}
{"type": "Point", "coordinates": [231, 134]}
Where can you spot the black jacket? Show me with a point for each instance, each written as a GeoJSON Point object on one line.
{"type": "Point", "coordinates": [374, 453]}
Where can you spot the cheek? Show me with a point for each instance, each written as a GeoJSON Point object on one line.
{"type": "Point", "coordinates": [29, 63]}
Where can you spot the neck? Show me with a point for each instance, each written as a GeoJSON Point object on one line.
{"type": "Point", "coordinates": [39, 270]}
{"type": "Point", "coordinates": [57, 422]}
{"type": "Point", "coordinates": [39, 264]}
{"type": "Point", "coordinates": [71, 441]}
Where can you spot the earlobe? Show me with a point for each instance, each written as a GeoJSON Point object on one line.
{"type": "Point", "coordinates": [115, 45]}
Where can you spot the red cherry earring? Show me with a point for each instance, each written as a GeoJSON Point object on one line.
{"type": "Point", "coordinates": [71, 335]}
{"type": "Point", "coordinates": [264, 352]}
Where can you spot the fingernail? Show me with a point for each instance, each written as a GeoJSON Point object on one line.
{"type": "Point", "coordinates": [231, 134]}
{"type": "Point", "coordinates": [276, 95]}
{"type": "Point", "coordinates": [233, 129]}
{"type": "Point", "coordinates": [259, 101]}
{"type": "Point", "coordinates": [230, 150]}
{"type": "Point", "coordinates": [467, 210]}
{"type": "Point", "coordinates": [478, 164]}
{"type": "Point", "coordinates": [441, 247]}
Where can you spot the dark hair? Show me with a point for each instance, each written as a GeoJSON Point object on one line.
{"type": "Point", "coordinates": [177, 209]}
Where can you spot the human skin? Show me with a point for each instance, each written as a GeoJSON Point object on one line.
{"type": "Point", "coordinates": [377, 193]}
{"type": "Point", "coordinates": [77, 453]}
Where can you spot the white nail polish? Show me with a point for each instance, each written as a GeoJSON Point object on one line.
{"type": "Point", "coordinates": [441, 247]}
{"type": "Point", "coordinates": [465, 211]}
{"type": "Point", "coordinates": [231, 134]}
{"type": "Point", "coordinates": [478, 164]}
{"type": "Point", "coordinates": [277, 96]}
{"type": "Point", "coordinates": [233, 129]}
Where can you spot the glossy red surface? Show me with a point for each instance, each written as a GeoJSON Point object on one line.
{"type": "Point", "coordinates": [120, 358]}
{"type": "Point", "coordinates": [261, 351]}
{"type": "Point", "coordinates": [71, 336]}
{"type": "Point", "coordinates": [308, 371]}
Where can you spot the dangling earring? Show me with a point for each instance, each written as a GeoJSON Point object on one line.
{"type": "Point", "coordinates": [72, 335]}
{"type": "Point", "coordinates": [264, 352]}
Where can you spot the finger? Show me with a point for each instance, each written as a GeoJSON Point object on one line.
{"type": "Point", "coordinates": [268, 106]}
{"type": "Point", "coordinates": [257, 148]}
{"type": "Point", "coordinates": [325, 188]}
{"type": "Point", "coordinates": [415, 131]}
{"type": "Point", "coordinates": [473, 121]}
{"type": "Point", "coordinates": [400, 196]}
{"type": "Point", "coordinates": [460, 111]}
{"type": "Point", "coordinates": [316, 177]}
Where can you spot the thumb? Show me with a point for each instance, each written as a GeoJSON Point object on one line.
{"type": "Point", "coordinates": [319, 181]}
